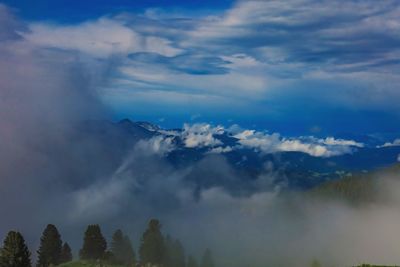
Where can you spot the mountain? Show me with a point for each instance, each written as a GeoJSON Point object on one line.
{"type": "Point", "coordinates": [104, 145]}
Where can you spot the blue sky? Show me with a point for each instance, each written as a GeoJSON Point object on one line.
{"type": "Point", "coordinates": [293, 66]}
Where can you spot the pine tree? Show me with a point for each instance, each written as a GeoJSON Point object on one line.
{"type": "Point", "coordinates": [121, 248]}
{"type": "Point", "coordinates": [49, 252]}
{"type": "Point", "coordinates": [176, 254]}
{"type": "Point", "coordinates": [15, 253]}
{"type": "Point", "coordinates": [117, 246]}
{"type": "Point", "coordinates": [94, 244]}
{"type": "Point", "coordinates": [66, 253]}
{"type": "Point", "coordinates": [129, 253]}
{"type": "Point", "coordinates": [207, 260]}
{"type": "Point", "coordinates": [152, 247]}
{"type": "Point", "coordinates": [168, 255]}
{"type": "Point", "coordinates": [192, 262]}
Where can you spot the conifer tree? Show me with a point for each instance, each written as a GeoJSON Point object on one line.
{"type": "Point", "coordinates": [94, 244]}
{"type": "Point", "coordinates": [66, 253]}
{"type": "Point", "coordinates": [177, 255]}
{"type": "Point", "coordinates": [121, 248]}
{"type": "Point", "coordinates": [117, 246]}
{"type": "Point", "coordinates": [207, 260]}
{"type": "Point", "coordinates": [152, 247]}
{"type": "Point", "coordinates": [129, 255]}
{"type": "Point", "coordinates": [192, 262]}
{"type": "Point", "coordinates": [168, 255]}
{"type": "Point", "coordinates": [49, 252]}
{"type": "Point", "coordinates": [15, 253]}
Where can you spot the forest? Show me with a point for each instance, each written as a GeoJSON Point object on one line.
{"type": "Point", "coordinates": [155, 250]}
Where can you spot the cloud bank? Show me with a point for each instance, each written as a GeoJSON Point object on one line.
{"type": "Point", "coordinates": [203, 135]}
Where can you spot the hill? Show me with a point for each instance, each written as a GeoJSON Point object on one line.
{"type": "Point", "coordinates": [358, 188]}
{"type": "Point", "coordinates": [87, 264]}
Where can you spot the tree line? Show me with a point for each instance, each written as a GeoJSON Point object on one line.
{"type": "Point", "coordinates": [154, 250]}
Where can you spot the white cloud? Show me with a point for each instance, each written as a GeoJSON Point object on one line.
{"type": "Point", "coordinates": [271, 143]}
{"type": "Point", "coordinates": [220, 149]}
{"type": "Point", "coordinates": [201, 135]}
{"type": "Point", "coordinates": [332, 141]}
{"type": "Point", "coordinates": [311, 149]}
{"type": "Point", "coordinates": [101, 38]}
{"type": "Point", "coordinates": [396, 142]}
{"type": "Point", "coordinates": [159, 145]}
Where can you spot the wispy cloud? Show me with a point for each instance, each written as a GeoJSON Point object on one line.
{"type": "Point", "coordinates": [395, 142]}
{"type": "Point", "coordinates": [251, 52]}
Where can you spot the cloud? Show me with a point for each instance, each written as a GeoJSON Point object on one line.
{"type": "Point", "coordinates": [101, 38]}
{"type": "Point", "coordinates": [330, 30]}
{"type": "Point", "coordinates": [256, 54]}
{"type": "Point", "coordinates": [159, 145]}
{"type": "Point", "coordinates": [201, 135]}
{"type": "Point", "coordinates": [396, 142]}
{"type": "Point", "coordinates": [342, 142]}
{"type": "Point", "coordinates": [271, 143]}
{"type": "Point", "coordinates": [221, 149]}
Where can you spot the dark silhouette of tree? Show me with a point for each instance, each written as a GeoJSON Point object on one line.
{"type": "Point", "coordinates": [15, 253]}
{"type": "Point", "coordinates": [152, 247]}
{"type": "Point", "coordinates": [66, 253]}
{"type": "Point", "coordinates": [207, 260]}
{"type": "Point", "coordinates": [176, 254]}
{"type": "Point", "coordinates": [129, 258]}
{"type": "Point", "coordinates": [94, 244]}
{"type": "Point", "coordinates": [117, 246]}
{"type": "Point", "coordinates": [168, 243]}
{"type": "Point", "coordinates": [122, 250]}
{"type": "Point", "coordinates": [192, 262]}
{"type": "Point", "coordinates": [49, 252]}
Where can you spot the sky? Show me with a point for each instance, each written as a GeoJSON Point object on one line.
{"type": "Point", "coordinates": [294, 67]}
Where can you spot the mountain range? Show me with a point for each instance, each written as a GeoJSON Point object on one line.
{"type": "Point", "coordinates": [295, 163]}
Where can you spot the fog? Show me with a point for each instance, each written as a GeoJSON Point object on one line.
{"type": "Point", "coordinates": [52, 173]}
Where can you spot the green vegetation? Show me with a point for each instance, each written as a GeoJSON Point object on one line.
{"type": "Point", "coordinates": [94, 244]}
{"type": "Point", "coordinates": [152, 247]}
{"type": "Point", "coordinates": [207, 259]}
{"type": "Point", "coordinates": [357, 189]}
{"type": "Point", "coordinates": [66, 253]}
{"type": "Point", "coordinates": [15, 253]}
{"type": "Point", "coordinates": [154, 250]}
{"type": "Point", "coordinates": [49, 252]}
{"type": "Point", "coordinates": [122, 250]}
{"type": "Point", "coordinates": [88, 264]}
{"type": "Point", "coordinates": [192, 262]}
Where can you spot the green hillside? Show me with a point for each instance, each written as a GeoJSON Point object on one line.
{"type": "Point", "coordinates": [88, 264]}
{"type": "Point", "coordinates": [358, 188]}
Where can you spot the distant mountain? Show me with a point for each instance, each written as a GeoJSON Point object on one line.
{"type": "Point", "coordinates": [105, 144]}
